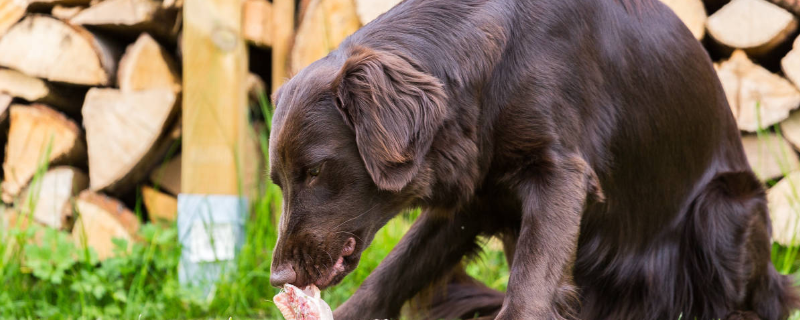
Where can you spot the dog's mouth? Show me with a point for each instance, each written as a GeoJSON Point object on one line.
{"type": "Point", "coordinates": [340, 268]}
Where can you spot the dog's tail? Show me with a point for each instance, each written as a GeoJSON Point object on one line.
{"type": "Point", "coordinates": [460, 297]}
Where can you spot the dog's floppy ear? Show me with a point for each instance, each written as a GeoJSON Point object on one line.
{"type": "Point", "coordinates": [394, 109]}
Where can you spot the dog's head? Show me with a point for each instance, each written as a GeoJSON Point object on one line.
{"type": "Point", "coordinates": [349, 138]}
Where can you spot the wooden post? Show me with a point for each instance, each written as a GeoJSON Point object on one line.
{"type": "Point", "coordinates": [211, 206]}
{"type": "Point", "coordinates": [283, 29]}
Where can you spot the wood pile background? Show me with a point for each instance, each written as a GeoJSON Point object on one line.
{"type": "Point", "coordinates": [90, 99]}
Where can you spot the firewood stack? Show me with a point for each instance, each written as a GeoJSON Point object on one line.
{"type": "Point", "coordinates": [90, 104]}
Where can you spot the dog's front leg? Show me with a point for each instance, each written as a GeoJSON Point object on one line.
{"type": "Point", "coordinates": [540, 280]}
{"type": "Point", "coordinates": [432, 247]}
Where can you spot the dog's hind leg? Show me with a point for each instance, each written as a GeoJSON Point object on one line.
{"type": "Point", "coordinates": [728, 251]}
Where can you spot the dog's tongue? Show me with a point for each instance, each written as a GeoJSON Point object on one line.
{"type": "Point", "coordinates": [305, 304]}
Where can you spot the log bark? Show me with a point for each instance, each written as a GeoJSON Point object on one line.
{"type": "Point", "coordinates": [45, 47]}
{"type": "Point", "coordinates": [257, 22]}
{"type": "Point", "coordinates": [50, 197]}
{"type": "Point", "coordinates": [130, 17]}
{"type": "Point", "coordinates": [31, 89]}
{"type": "Point", "coordinates": [146, 65]}
{"type": "Point", "coordinates": [10, 12]}
{"type": "Point", "coordinates": [368, 10]}
{"type": "Point", "coordinates": [124, 133]}
{"type": "Point", "coordinates": [168, 176]}
{"type": "Point", "coordinates": [692, 13]}
{"type": "Point", "coordinates": [755, 26]}
{"type": "Point", "coordinates": [757, 97]}
{"type": "Point", "coordinates": [325, 25]}
{"type": "Point", "coordinates": [161, 207]}
{"type": "Point", "coordinates": [38, 135]}
{"type": "Point", "coordinates": [770, 156]}
{"type": "Point", "coordinates": [784, 204]}
{"type": "Point", "coordinates": [99, 219]}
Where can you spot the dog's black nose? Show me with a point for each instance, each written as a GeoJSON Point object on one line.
{"type": "Point", "coordinates": [282, 274]}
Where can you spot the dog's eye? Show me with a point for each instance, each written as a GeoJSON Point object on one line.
{"type": "Point", "coordinates": [313, 171]}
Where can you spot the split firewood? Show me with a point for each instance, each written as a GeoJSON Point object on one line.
{"type": "Point", "coordinates": [790, 64]}
{"type": "Point", "coordinates": [755, 26]}
{"type": "Point", "coordinates": [10, 12]}
{"type": "Point", "coordinates": [790, 129]}
{"type": "Point", "coordinates": [66, 13]}
{"type": "Point", "coordinates": [368, 10]}
{"type": "Point", "coordinates": [123, 132]}
{"type": "Point", "coordinates": [757, 97]}
{"type": "Point", "coordinates": [49, 198]}
{"type": "Point", "coordinates": [146, 65]}
{"type": "Point", "coordinates": [168, 176]}
{"type": "Point", "coordinates": [325, 25]}
{"type": "Point", "coordinates": [130, 17]}
{"type": "Point", "coordinates": [161, 207]}
{"type": "Point", "coordinates": [20, 85]}
{"type": "Point", "coordinates": [257, 22]}
{"type": "Point", "coordinates": [769, 155]}
{"type": "Point", "coordinates": [46, 47]}
{"type": "Point", "coordinates": [99, 219]}
{"type": "Point", "coordinates": [692, 13]}
{"type": "Point", "coordinates": [784, 209]}
{"type": "Point", "coordinates": [38, 135]}
{"type": "Point", "coordinates": [792, 6]}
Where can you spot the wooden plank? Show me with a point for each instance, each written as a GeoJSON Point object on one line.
{"type": "Point", "coordinates": [282, 32]}
{"type": "Point", "coordinates": [215, 97]}
{"type": "Point", "coordinates": [257, 25]}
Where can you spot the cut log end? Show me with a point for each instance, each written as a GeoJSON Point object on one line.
{"type": "Point", "coordinates": [33, 89]}
{"type": "Point", "coordinates": [123, 133]}
{"type": "Point", "coordinates": [368, 10]}
{"type": "Point", "coordinates": [146, 65]}
{"type": "Point", "coordinates": [692, 13]}
{"type": "Point", "coordinates": [99, 219]}
{"type": "Point", "coordinates": [168, 176]}
{"type": "Point", "coordinates": [757, 97]}
{"type": "Point", "coordinates": [45, 47]}
{"type": "Point", "coordinates": [50, 196]}
{"type": "Point", "coordinates": [770, 156]}
{"type": "Point", "coordinates": [161, 207]}
{"type": "Point", "coordinates": [325, 24]}
{"type": "Point", "coordinates": [756, 26]}
{"type": "Point", "coordinates": [784, 204]}
{"type": "Point", "coordinates": [38, 134]}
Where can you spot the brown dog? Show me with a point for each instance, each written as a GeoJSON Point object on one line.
{"type": "Point", "coordinates": [592, 135]}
